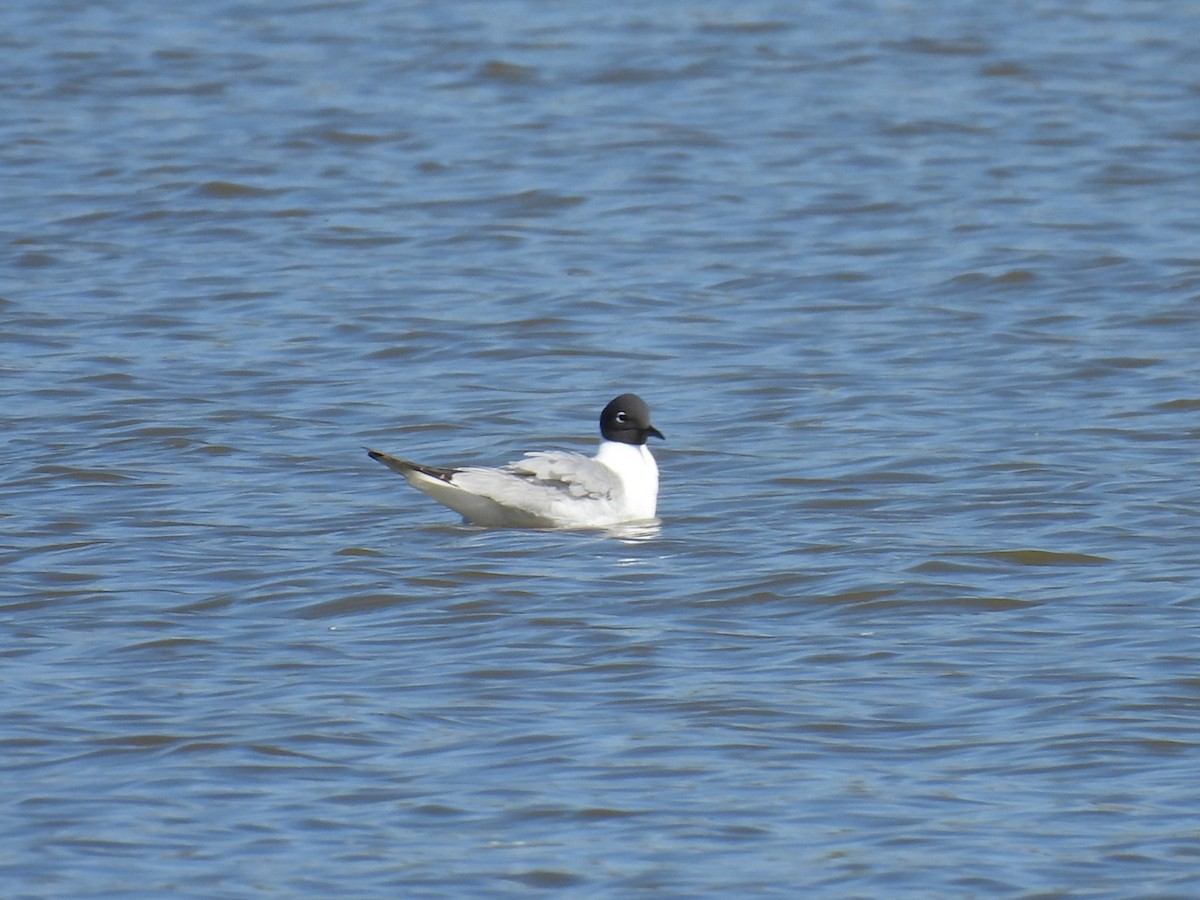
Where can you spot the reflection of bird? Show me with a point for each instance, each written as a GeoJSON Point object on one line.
{"type": "Point", "coordinates": [555, 489]}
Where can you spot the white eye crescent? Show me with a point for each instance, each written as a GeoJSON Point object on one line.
{"type": "Point", "coordinates": [622, 418]}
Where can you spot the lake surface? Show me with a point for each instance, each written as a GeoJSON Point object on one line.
{"type": "Point", "coordinates": [913, 290]}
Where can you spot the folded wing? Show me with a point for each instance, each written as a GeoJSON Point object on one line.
{"type": "Point", "coordinates": [572, 473]}
{"type": "Point", "coordinates": [549, 487]}
{"type": "Point", "coordinates": [542, 490]}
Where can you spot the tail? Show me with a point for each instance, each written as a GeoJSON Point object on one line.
{"type": "Point", "coordinates": [406, 468]}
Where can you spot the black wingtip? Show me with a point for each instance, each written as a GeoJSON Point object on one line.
{"type": "Point", "coordinates": [405, 467]}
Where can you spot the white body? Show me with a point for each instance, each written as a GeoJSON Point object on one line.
{"type": "Point", "coordinates": [547, 490]}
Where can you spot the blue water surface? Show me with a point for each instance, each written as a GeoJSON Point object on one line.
{"type": "Point", "coordinates": [912, 289]}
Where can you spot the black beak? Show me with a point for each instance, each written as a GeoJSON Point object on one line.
{"type": "Point", "coordinates": [651, 431]}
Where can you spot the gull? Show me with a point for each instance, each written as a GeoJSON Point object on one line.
{"type": "Point", "coordinates": [554, 489]}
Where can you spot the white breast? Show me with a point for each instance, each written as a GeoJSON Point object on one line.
{"type": "Point", "coordinates": [638, 473]}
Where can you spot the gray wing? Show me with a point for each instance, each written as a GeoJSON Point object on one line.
{"type": "Point", "coordinates": [546, 483]}
{"type": "Point", "coordinates": [543, 490]}
{"type": "Point", "coordinates": [572, 473]}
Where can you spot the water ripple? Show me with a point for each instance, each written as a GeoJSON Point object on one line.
{"type": "Point", "coordinates": [917, 617]}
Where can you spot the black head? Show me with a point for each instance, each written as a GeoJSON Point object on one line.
{"type": "Point", "coordinates": [627, 420]}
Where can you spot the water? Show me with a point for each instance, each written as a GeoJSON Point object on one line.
{"type": "Point", "coordinates": [912, 290]}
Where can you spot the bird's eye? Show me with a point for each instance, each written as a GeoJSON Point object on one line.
{"type": "Point", "coordinates": [622, 418]}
